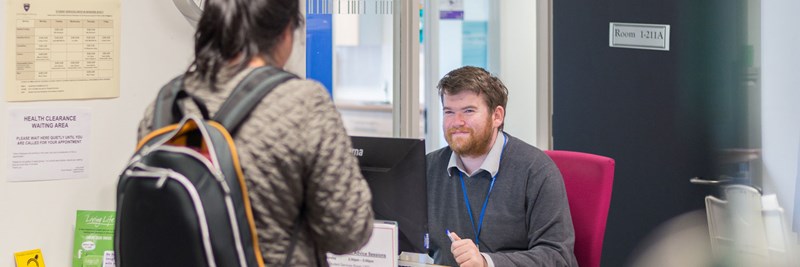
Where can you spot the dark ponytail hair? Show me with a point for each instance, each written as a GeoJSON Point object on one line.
{"type": "Point", "coordinates": [241, 30]}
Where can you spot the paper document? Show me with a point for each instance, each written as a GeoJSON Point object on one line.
{"type": "Point", "coordinates": [380, 251]}
{"type": "Point", "coordinates": [62, 49]}
{"type": "Point", "coordinates": [48, 144]}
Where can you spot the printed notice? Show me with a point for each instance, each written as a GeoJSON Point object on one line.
{"type": "Point", "coordinates": [62, 49]}
{"type": "Point", "coordinates": [48, 143]}
{"type": "Point", "coordinates": [380, 250]}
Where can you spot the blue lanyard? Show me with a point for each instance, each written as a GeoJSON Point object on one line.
{"type": "Point", "coordinates": [483, 209]}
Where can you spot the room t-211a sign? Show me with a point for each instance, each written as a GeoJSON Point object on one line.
{"type": "Point", "coordinates": [638, 36]}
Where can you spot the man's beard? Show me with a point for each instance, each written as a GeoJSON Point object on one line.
{"type": "Point", "coordinates": [473, 145]}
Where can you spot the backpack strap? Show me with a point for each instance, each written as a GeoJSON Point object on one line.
{"type": "Point", "coordinates": [244, 98]}
{"type": "Point", "coordinates": [248, 94]}
{"type": "Point", "coordinates": [162, 113]}
{"type": "Point", "coordinates": [237, 107]}
{"type": "Point", "coordinates": [168, 108]}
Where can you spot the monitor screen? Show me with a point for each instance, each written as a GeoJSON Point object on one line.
{"type": "Point", "coordinates": [395, 171]}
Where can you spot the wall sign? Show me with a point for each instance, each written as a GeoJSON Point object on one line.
{"type": "Point", "coordinates": [638, 36]}
{"type": "Point", "coordinates": [48, 143]}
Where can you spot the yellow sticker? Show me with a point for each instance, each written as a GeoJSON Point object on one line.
{"type": "Point", "coordinates": [30, 258]}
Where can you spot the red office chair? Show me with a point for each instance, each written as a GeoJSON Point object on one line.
{"type": "Point", "coordinates": [588, 179]}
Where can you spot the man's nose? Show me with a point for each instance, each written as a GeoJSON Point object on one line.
{"type": "Point", "coordinates": [458, 119]}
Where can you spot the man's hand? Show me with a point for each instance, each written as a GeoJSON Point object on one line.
{"type": "Point", "coordinates": [466, 253]}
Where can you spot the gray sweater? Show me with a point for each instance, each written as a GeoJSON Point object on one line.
{"type": "Point", "coordinates": [527, 221]}
{"type": "Point", "coordinates": [294, 150]}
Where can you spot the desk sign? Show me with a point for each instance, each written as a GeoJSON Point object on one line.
{"type": "Point", "coordinates": [638, 36]}
{"type": "Point", "coordinates": [380, 250]}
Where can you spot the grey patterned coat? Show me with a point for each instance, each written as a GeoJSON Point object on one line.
{"type": "Point", "coordinates": [294, 149]}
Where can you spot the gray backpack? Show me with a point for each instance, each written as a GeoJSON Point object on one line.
{"type": "Point", "coordinates": [182, 199]}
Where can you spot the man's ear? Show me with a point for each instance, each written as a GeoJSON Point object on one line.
{"type": "Point", "coordinates": [498, 116]}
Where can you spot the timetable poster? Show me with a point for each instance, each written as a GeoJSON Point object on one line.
{"type": "Point", "coordinates": [62, 49]}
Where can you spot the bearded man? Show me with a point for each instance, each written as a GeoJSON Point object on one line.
{"type": "Point", "coordinates": [494, 200]}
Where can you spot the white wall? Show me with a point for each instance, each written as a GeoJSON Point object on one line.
{"type": "Point", "coordinates": [518, 67]}
{"type": "Point", "coordinates": [156, 46]}
{"type": "Point", "coordinates": [517, 70]}
{"type": "Point", "coordinates": [780, 116]}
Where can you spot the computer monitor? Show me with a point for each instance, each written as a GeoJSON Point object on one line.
{"type": "Point", "coordinates": [395, 171]}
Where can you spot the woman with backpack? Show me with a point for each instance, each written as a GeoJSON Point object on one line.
{"type": "Point", "coordinates": [293, 148]}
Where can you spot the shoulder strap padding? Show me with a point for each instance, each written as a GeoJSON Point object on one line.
{"type": "Point", "coordinates": [162, 112]}
{"type": "Point", "coordinates": [244, 98]}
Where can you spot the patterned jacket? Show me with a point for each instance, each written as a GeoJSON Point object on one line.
{"type": "Point", "coordinates": [295, 155]}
